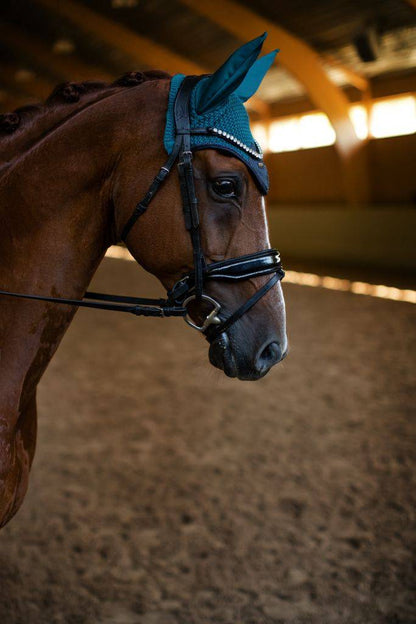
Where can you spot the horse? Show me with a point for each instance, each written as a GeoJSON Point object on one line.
{"type": "Point", "coordinates": [71, 171]}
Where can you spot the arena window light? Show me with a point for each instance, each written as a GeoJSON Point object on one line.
{"type": "Point", "coordinates": [359, 119]}
{"type": "Point", "coordinates": [303, 132]}
{"type": "Point", "coordinates": [315, 130]}
{"type": "Point", "coordinates": [393, 117]}
{"type": "Point", "coordinates": [260, 133]}
{"type": "Point", "coordinates": [284, 135]}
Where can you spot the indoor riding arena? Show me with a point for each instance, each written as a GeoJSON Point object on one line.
{"type": "Point", "coordinates": [166, 489]}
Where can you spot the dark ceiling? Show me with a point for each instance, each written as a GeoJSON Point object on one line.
{"type": "Point", "coordinates": [32, 55]}
{"type": "Point", "coordinates": [331, 24]}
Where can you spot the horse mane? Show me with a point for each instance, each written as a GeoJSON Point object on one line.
{"type": "Point", "coordinates": [20, 128]}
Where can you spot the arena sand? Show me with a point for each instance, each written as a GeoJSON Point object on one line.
{"type": "Point", "coordinates": [164, 493]}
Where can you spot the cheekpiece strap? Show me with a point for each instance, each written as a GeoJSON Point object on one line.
{"type": "Point", "coordinates": [181, 113]}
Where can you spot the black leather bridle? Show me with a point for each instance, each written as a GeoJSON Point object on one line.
{"type": "Point", "coordinates": [191, 286]}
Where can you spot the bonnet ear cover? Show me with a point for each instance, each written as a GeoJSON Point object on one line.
{"type": "Point", "coordinates": [254, 76]}
{"type": "Point", "coordinates": [241, 75]}
{"type": "Point", "coordinates": [211, 92]}
{"type": "Point", "coordinates": [217, 104]}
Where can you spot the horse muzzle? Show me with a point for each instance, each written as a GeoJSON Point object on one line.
{"type": "Point", "coordinates": [246, 367]}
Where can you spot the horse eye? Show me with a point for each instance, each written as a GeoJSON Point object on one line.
{"type": "Point", "coordinates": [225, 187]}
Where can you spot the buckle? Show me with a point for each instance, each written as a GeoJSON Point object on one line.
{"type": "Point", "coordinates": [179, 289]}
{"type": "Point", "coordinates": [211, 319]}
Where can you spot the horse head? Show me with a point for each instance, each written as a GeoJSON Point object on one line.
{"type": "Point", "coordinates": [205, 231]}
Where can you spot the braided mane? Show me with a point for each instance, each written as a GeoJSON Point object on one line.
{"type": "Point", "coordinates": [19, 128]}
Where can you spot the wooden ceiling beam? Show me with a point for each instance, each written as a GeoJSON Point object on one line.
{"type": "Point", "coordinates": [141, 49]}
{"type": "Point", "coordinates": [65, 67]}
{"type": "Point", "coordinates": [303, 63]}
{"type": "Point", "coordinates": [353, 78]}
{"type": "Point", "coordinates": [300, 60]}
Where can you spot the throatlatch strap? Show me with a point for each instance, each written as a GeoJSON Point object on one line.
{"type": "Point", "coordinates": [151, 192]}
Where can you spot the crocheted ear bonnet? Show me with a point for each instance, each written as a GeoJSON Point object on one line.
{"type": "Point", "coordinates": [217, 104]}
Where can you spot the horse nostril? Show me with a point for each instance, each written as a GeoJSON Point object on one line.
{"type": "Point", "coordinates": [270, 355]}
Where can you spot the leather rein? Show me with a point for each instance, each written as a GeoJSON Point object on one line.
{"type": "Point", "coordinates": [191, 286]}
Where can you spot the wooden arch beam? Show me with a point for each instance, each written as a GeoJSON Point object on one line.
{"type": "Point", "coordinates": [141, 49]}
{"type": "Point", "coordinates": [354, 78]}
{"type": "Point", "coordinates": [304, 63]}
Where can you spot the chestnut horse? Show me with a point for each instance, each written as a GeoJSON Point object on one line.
{"type": "Point", "coordinates": [71, 172]}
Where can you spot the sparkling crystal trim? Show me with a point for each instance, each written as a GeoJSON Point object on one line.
{"type": "Point", "coordinates": [232, 139]}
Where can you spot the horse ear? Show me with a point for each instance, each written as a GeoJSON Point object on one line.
{"type": "Point", "coordinates": [210, 92]}
{"type": "Point", "coordinates": [254, 76]}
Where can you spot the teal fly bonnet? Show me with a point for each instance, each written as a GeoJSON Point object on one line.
{"type": "Point", "coordinates": [217, 105]}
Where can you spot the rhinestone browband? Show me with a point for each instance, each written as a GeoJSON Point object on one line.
{"type": "Point", "coordinates": [231, 138]}
{"type": "Point", "coordinates": [237, 142]}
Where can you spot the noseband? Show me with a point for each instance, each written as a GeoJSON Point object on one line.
{"type": "Point", "coordinates": [190, 288]}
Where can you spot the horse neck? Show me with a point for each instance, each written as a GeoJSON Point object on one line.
{"type": "Point", "coordinates": [56, 212]}
{"type": "Point", "coordinates": [41, 120]}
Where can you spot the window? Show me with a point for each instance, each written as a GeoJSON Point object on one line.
{"type": "Point", "coordinates": [393, 117]}
{"type": "Point", "coordinates": [359, 118]}
{"type": "Point", "coordinates": [315, 130]}
{"type": "Point", "coordinates": [283, 135]}
{"type": "Point", "coordinates": [259, 131]}
{"type": "Point", "coordinates": [305, 131]}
